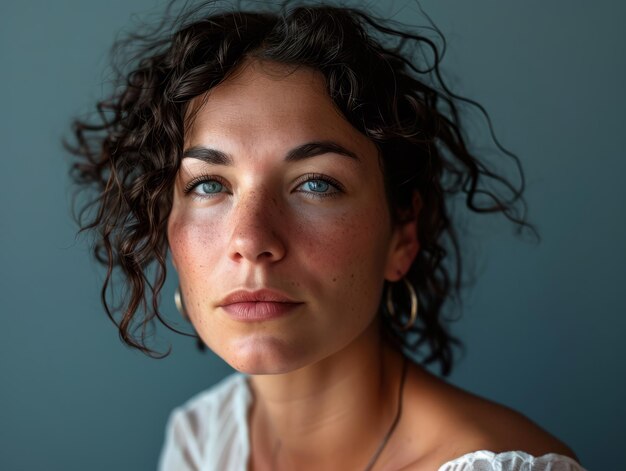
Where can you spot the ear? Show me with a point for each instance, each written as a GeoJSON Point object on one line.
{"type": "Point", "coordinates": [404, 244]}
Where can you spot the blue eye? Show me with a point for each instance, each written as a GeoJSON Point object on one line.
{"type": "Point", "coordinates": [320, 186]}
{"type": "Point", "coordinates": [317, 186]}
{"type": "Point", "coordinates": [210, 187]}
{"type": "Point", "coordinates": [205, 187]}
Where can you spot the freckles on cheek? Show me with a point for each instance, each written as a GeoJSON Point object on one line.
{"type": "Point", "coordinates": [356, 236]}
{"type": "Point", "coordinates": [346, 247]}
{"type": "Point", "coordinates": [193, 240]}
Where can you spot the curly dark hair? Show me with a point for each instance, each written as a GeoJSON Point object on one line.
{"type": "Point", "coordinates": [392, 93]}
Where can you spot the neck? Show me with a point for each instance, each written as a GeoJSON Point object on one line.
{"type": "Point", "coordinates": [333, 414]}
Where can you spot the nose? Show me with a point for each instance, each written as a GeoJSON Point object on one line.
{"type": "Point", "coordinates": [255, 237]}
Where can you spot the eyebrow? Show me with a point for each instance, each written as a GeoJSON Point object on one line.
{"type": "Point", "coordinates": [304, 151]}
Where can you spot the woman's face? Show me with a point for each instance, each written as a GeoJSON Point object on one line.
{"type": "Point", "coordinates": [311, 225]}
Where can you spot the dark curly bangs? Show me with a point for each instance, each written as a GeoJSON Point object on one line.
{"type": "Point", "coordinates": [386, 82]}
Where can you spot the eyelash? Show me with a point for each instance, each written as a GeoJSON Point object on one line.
{"type": "Point", "coordinates": [189, 187]}
{"type": "Point", "coordinates": [339, 188]}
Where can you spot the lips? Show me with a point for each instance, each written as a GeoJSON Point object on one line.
{"type": "Point", "coordinates": [253, 306]}
{"type": "Point", "coordinates": [264, 295]}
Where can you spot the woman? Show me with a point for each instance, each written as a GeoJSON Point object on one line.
{"type": "Point", "coordinates": [299, 174]}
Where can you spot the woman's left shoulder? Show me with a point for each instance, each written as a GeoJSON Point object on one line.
{"type": "Point", "coordinates": [467, 423]}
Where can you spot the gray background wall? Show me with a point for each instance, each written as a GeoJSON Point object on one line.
{"type": "Point", "coordinates": [543, 324]}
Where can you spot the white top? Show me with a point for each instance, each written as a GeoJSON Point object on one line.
{"type": "Point", "coordinates": [209, 432]}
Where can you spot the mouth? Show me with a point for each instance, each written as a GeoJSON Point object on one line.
{"type": "Point", "coordinates": [255, 306]}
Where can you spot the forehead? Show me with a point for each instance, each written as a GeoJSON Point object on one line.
{"type": "Point", "coordinates": [265, 102]}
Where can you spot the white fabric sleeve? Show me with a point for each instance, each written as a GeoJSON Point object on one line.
{"type": "Point", "coordinates": [180, 451]}
{"type": "Point", "coordinates": [511, 461]}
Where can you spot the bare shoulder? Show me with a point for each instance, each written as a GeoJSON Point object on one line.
{"type": "Point", "coordinates": [457, 422]}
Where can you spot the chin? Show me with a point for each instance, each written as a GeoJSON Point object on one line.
{"type": "Point", "coordinates": [264, 355]}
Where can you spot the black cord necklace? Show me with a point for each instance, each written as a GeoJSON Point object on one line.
{"type": "Point", "coordinates": [396, 419]}
{"type": "Point", "coordinates": [387, 436]}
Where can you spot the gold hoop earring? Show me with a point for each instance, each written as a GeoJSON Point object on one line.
{"type": "Point", "coordinates": [414, 305]}
{"type": "Point", "coordinates": [180, 305]}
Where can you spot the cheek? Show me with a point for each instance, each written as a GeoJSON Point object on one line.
{"type": "Point", "coordinates": [190, 239]}
{"type": "Point", "coordinates": [195, 241]}
{"type": "Point", "coordinates": [342, 272]}
{"type": "Point", "coordinates": [347, 253]}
